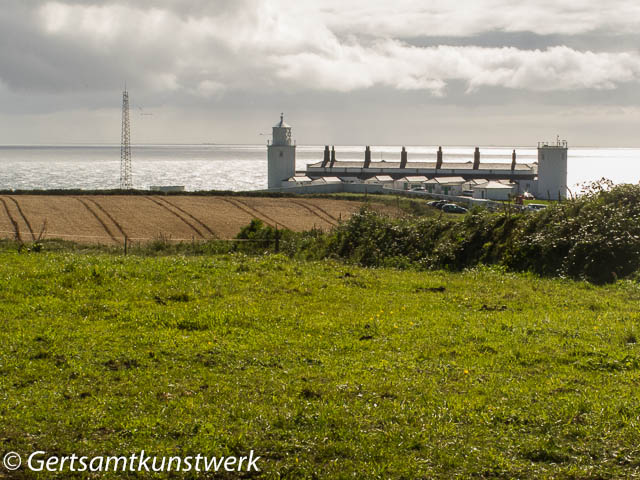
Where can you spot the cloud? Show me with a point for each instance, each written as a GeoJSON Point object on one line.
{"type": "Point", "coordinates": [415, 18]}
{"type": "Point", "coordinates": [394, 64]}
{"type": "Point", "coordinates": [211, 48]}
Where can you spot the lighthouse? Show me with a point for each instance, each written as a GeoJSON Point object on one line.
{"type": "Point", "coordinates": [552, 170]}
{"type": "Point", "coordinates": [281, 155]}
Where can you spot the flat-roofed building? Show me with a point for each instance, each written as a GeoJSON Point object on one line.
{"type": "Point", "coordinates": [327, 180]}
{"type": "Point", "coordinates": [410, 182]}
{"type": "Point", "coordinates": [299, 180]}
{"type": "Point", "coordinates": [380, 179]}
{"type": "Point", "coordinates": [494, 190]}
{"type": "Point", "coordinates": [445, 185]}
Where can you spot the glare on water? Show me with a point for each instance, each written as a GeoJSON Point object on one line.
{"type": "Point", "coordinates": [244, 167]}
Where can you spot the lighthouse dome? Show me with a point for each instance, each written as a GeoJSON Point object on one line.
{"type": "Point", "coordinates": [282, 123]}
{"type": "Point", "coordinates": [282, 132]}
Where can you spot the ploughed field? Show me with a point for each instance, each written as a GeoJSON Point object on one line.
{"type": "Point", "coordinates": [108, 219]}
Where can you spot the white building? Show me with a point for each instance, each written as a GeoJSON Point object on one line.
{"type": "Point", "coordinates": [552, 170]}
{"type": "Point", "coordinates": [326, 180]}
{"type": "Point", "coordinates": [469, 184]}
{"type": "Point", "coordinates": [167, 188]}
{"type": "Point", "coordinates": [281, 155]}
{"type": "Point", "coordinates": [380, 179]}
{"type": "Point", "coordinates": [445, 185]}
{"type": "Point", "coordinates": [299, 180]}
{"type": "Point", "coordinates": [351, 180]}
{"type": "Point", "coordinates": [410, 182]}
{"type": "Point", "coordinates": [493, 190]}
{"type": "Point", "coordinates": [546, 179]}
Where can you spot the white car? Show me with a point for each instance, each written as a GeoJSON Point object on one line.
{"type": "Point", "coordinates": [534, 207]}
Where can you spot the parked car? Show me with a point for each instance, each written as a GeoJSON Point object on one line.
{"type": "Point", "coordinates": [453, 208]}
{"type": "Point", "coordinates": [534, 207]}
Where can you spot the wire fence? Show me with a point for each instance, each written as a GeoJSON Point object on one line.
{"type": "Point", "coordinates": [135, 243]}
{"type": "Point", "coordinates": [160, 237]}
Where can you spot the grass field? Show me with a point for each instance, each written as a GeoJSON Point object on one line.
{"type": "Point", "coordinates": [325, 370]}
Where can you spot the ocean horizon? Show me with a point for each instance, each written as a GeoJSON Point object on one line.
{"type": "Point", "coordinates": [240, 167]}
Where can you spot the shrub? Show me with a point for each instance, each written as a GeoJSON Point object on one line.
{"type": "Point", "coordinates": [594, 237]}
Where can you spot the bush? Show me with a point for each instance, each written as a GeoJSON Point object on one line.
{"type": "Point", "coordinates": [595, 237]}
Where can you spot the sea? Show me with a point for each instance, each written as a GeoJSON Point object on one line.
{"type": "Point", "coordinates": [244, 167]}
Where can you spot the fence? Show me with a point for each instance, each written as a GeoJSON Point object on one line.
{"type": "Point", "coordinates": [127, 242]}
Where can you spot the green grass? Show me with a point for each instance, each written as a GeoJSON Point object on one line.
{"type": "Point", "coordinates": [325, 370]}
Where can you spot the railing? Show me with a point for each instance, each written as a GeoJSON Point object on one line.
{"type": "Point", "coordinates": [558, 144]}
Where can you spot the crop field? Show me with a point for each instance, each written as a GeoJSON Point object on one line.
{"type": "Point", "coordinates": [325, 370]}
{"type": "Point", "coordinates": [108, 219]}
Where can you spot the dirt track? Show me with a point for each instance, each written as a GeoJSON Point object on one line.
{"type": "Point", "coordinates": [108, 219]}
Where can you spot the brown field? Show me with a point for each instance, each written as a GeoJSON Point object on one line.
{"type": "Point", "coordinates": [107, 219]}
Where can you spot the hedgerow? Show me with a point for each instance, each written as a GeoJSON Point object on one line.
{"type": "Point", "coordinates": [594, 237]}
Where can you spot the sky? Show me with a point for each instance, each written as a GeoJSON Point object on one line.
{"type": "Point", "coordinates": [407, 72]}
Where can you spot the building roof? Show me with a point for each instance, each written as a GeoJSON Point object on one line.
{"type": "Point", "coordinates": [428, 165]}
{"type": "Point", "coordinates": [382, 178]}
{"type": "Point", "coordinates": [477, 181]}
{"type": "Point", "coordinates": [327, 180]}
{"type": "Point", "coordinates": [415, 178]}
{"type": "Point", "coordinates": [493, 185]}
{"type": "Point", "coordinates": [446, 180]}
{"type": "Point", "coordinates": [282, 123]}
{"type": "Point", "coordinates": [450, 180]}
{"type": "Point", "coordinates": [299, 178]}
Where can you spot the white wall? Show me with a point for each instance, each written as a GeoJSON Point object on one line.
{"type": "Point", "coordinates": [552, 172]}
{"type": "Point", "coordinates": [492, 193]}
{"type": "Point", "coordinates": [449, 189]}
{"type": "Point", "coordinates": [332, 188]}
{"type": "Point", "coordinates": [281, 164]}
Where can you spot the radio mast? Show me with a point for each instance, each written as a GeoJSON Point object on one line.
{"type": "Point", "coordinates": [125, 145]}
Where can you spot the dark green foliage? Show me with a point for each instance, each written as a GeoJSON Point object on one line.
{"type": "Point", "coordinates": [595, 237]}
{"type": "Point", "coordinates": [258, 237]}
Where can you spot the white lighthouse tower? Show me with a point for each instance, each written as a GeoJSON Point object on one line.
{"type": "Point", "coordinates": [281, 155]}
{"type": "Point", "coordinates": [552, 170]}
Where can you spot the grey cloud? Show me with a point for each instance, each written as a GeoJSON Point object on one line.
{"type": "Point", "coordinates": [208, 48]}
{"type": "Point", "coordinates": [597, 41]}
{"type": "Point", "coordinates": [228, 58]}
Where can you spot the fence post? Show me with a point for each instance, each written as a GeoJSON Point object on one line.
{"type": "Point", "coordinates": [125, 245]}
{"type": "Point", "coordinates": [277, 239]}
